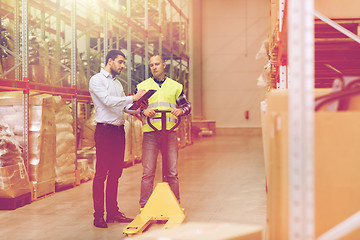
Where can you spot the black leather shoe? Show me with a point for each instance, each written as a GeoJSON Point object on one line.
{"type": "Point", "coordinates": [118, 217]}
{"type": "Point", "coordinates": [100, 222]}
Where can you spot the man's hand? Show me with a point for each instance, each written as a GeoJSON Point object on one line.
{"type": "Point", "coordinates": [139, 94]}
{"type": "Point", "coordinates": [177, 112]}
{"type": "Point", "coordinates": [149, 112]}
{"type": "Point", "coordinates": [144, 104]}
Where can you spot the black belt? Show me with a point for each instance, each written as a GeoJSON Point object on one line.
{"type": "Point", "coordinates": [110, 125]}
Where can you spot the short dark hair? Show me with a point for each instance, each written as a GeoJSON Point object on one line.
{"type": "Point", "coordinates": [113, 54]}
{"type": "Point", "coordinates": [162, 59]}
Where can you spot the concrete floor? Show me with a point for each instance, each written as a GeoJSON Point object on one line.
{"type": "Point", "coordinates": [222, 179]}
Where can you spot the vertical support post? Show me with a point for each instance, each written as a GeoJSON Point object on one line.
{"type": "Point", "coordinates": [171, 43]}
{"type": "Point", "coordinates": [187, 22]}
{"type": "Point", "coordinates": [105, 34]}
{"type": "Point", "coordinates": [117, 41]}
{"type": "Point", "coordinates": [282, 83]}
{"type": "Point", "coordinates": [180, 44]}
{"type": "Point", "coordinates": [17, 38]}
{"type": "Point", "coordinates": [146, 40]}
{"type": "Point", "coordinates": [281, 14]}
{"type": "Point", "coordinates": [98, 48]}
{"type": "Point", "coordinates": [283, 77]}
{"type": "Point", "coordinates": [142, 70]}
{"type": "Point", "coordinates": [301, 118]}
{"type": "Point", "coordinates": [160, 24]}
{"type": "Point", "coordinates": [24, 55]}
{"type": "Point", "coordinates": [87, 52]}
{"type": "Point", "coordinates": [42, 24]}
{"type": "Point", "coordinates": [129, 55]}
{"type": "Point", "coordinates": [58, 42]}
{"type": "Point", "coordinates": [180, 32]}
{"type": "Point", "coordinates": [73, 80]}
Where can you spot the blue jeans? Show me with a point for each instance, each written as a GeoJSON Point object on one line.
{"type": "Point", "coordinates": [167, 144]}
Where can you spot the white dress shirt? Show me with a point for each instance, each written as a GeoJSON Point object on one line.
{"type": "Point", "coordinates": [109, 99]}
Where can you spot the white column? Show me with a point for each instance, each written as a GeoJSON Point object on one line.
{"type": "Point", "coordinates": [301, 118]}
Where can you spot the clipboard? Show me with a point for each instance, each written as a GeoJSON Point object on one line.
{"type": "Point", "coordinates": [146, 96]}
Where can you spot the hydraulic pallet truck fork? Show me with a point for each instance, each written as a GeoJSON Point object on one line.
{"type": "Point", "coordinates": [162, 204]}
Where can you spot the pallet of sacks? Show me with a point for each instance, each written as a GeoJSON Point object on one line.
{"type": "Point", "coordinates": [15, 189]}
{"type": "Point", "coordinates": [65, 145]}
{"type": "Point", "coordinates": [42, 136]}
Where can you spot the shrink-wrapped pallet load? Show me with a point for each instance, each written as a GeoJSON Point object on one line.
{"type": "Point", "coordinates": [65, 145]}
{"type": "Point", "coordinates": [85, 166]}
{"type": "Point", "coordinates": [42, 138]}
{"type": "Point", "coordinates": [14, 180]}
{"type": "Point", "coordinates": [42, 142]}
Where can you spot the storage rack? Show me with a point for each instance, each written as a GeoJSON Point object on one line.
{"type": "Point", "coordinates": [336, 48]}
{"type": "Point", "coordinates": [303, 43]}
{"type": "Point", "coordinates": [77, 29]}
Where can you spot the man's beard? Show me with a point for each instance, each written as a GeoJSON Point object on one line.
{"type": "Point", "coordinates": [114, 73]}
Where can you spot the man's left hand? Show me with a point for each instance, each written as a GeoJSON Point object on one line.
{"type": "Point", "coordinates": [176, 112]}
{"type": "Point", "coordinates": [144, 104]}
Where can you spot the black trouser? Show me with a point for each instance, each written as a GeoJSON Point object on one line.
{"type": "Point", "coordinates": [110, 149]}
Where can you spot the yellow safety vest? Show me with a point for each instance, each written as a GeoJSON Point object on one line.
{"type": "Point", "coordinates": [163, 99]}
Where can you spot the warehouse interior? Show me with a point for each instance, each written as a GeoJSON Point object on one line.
{"type": "Point", "coordinates": [269, 150]}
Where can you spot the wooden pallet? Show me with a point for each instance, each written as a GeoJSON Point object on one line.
{"type": "Point", "coordinates": [13, 203]}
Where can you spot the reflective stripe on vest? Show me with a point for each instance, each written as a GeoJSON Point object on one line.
{"type": "Point", "coordinates": [152, 120]}
{"type": "Point", "coordinates": [162, 104]}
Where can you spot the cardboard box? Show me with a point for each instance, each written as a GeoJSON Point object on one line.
{"type": "Point", "coordinates": [336, 167]}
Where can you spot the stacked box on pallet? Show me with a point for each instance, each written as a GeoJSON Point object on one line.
{"type": "Point", "coordinates": [87, 129]}
{"type": "Point", "coordinates": [86, 152]}
{"type": "Point", "coordinates": [137, 136]}
{"type": "Point", "coordinates": [127, 129]}
{"type": "Point", "coordinates": [15, 190]}
{"type": "Point", "coordinates": [133, 140]}
{"type": "Point", "coordinates": [42, 138]}
{"type": "Point", "coordinates": [65, 145]}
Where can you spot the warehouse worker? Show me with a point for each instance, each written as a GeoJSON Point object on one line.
{"type": "Point", "coordinates": [110, 101]}
{"type": "Point", "coordinates": [169, 96]}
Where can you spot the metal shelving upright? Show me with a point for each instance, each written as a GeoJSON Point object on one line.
{"type": "Point", "coordinates": [293, 68]}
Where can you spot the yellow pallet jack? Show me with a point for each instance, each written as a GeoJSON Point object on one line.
{"type": "Point", "coordinates": [162, 204]}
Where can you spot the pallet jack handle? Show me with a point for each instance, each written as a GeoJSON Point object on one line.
{"type": "Point", "coordinates": [163, 121]}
